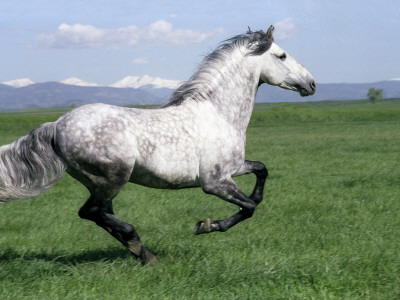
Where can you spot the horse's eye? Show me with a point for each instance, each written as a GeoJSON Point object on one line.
{"type": "Point", "coordinates": [282, 56]}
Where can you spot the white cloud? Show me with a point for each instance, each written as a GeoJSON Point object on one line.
{"type": "Point", "coordinates": [284, 29]}
{"type": "Point", "coordinates": [140, 61]}
{"type": "Point", "coordinates": [88, 36]}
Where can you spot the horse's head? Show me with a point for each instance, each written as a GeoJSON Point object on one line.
{"type": "Point", "coordinates": [281, 69]}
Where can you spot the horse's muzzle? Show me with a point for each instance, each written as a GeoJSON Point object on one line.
{"type": "Point", "coordinates": [308, 90]}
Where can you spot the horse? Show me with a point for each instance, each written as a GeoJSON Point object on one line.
{"type": "Point", "coordinates": [196, 139]}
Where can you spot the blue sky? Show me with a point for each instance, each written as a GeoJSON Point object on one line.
{"type": "Point", "coordinates": [104, 41]}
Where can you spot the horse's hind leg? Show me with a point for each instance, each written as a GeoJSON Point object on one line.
{"type": "Point", "coordinates": [99, 210]}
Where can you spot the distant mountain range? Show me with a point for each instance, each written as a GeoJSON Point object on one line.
{"type": "Point", "coordinates": [131, 90]}
{"type": "Point", "coordinates": [24, 93]}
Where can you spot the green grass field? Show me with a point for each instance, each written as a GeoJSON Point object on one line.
{"type": "Point", "coordinates": [328, 228]}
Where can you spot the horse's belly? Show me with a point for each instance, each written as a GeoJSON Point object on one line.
{"type": "Point", "coordinates": [165, 157]}
{"type": "Point", "coordinates": [167, 177]}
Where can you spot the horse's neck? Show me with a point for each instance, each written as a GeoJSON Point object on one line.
{"type": "Point", "coordinates": [233, 91]}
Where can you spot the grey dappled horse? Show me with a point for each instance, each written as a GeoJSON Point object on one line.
{"type": "Point", "coordinates": [197, 139]}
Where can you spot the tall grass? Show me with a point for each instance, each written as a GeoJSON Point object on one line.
{"type": "Point", "coordinates": [328, 228]}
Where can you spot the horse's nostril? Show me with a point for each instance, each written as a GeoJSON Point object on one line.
{"type": "Point", "coordinates": [312, 85]}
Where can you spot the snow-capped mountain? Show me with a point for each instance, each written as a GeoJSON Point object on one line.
{"type": "Point", "coordinates": [135, 82]}
{"type": "Point", "coordinates": [19, 82]}
{"type": "Point", "coordinates": [78, 82]}
{"type": "Point", "coordinates": [141, 81]}
{"type": "Point", "coordinates": [131, 90]}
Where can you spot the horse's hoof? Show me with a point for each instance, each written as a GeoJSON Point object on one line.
{"type": "Point", "coordinates": [142, 254]}
{"type": "Point", "coordinates": [136, 248]}
{"type": "Point", "coordinates": [203, 226]}
{"type": "Point", "coordinates": [150, 260]}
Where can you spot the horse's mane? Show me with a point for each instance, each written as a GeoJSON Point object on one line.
{"type": "Point", "coordinates": [254, 43]}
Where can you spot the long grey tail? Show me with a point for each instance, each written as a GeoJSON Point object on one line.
{"type": "Point", "coordinates": [29, 165]}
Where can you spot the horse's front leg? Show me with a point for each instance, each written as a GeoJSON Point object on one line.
{"type": "Point", "coordinates": [261, 172]}
{"type": "Point", "coordinates": [226, 189]}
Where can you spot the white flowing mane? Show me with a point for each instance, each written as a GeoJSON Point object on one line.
{"type": "Point", "coordinates": [254, 43]}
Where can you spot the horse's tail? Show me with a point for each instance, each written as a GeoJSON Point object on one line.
{"type": "Point", "coordinates": [29, 165]}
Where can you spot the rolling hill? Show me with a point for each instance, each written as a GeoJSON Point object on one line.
{"type": "Point", "coordinates": [57, 94]}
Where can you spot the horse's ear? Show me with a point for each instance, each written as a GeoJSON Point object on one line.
{"type": "Point", "coordinates": [269, 33]}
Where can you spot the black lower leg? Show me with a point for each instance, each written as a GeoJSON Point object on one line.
{"type": "Point", "coordinates": [122, 231]}
{"type": "Point", "coordinates": [261, 173]}
{"type": "Point", "coordinates": [125, 233]}
{"type": "Point", "coordinates": [232, 194]}
{"type": "Point", "coordinates": [207, 225]}
{"type": "Point", "coordinates": [109, 208]}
